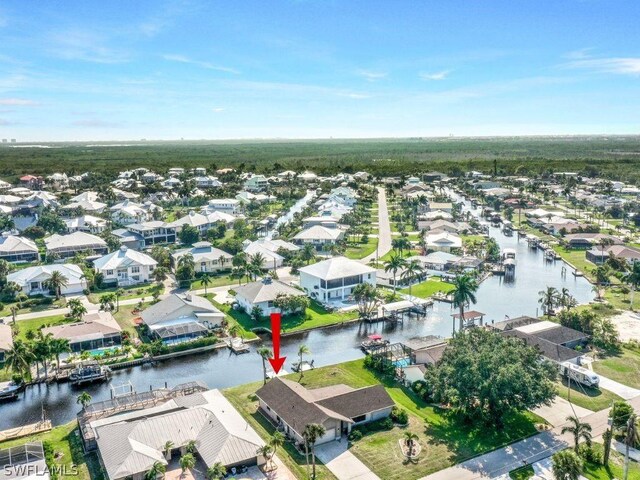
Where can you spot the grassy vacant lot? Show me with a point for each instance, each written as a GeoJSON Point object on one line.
{"type": "Point", "coordinates": [125, 317]}
{"type": "Point", "coordinates": [66, 443]}
{"type": "Point", "coordinates": [359, 250]}
{"type": "Point", "coordinates": [35, 324]}
{"type": "Point", "coordinates": [428, 288]}
{"type": "Point", "coordinates": [576, 258]}
{"type": "Point", "coordinates": [444, 440]}
{"type": "Point", "coordinates": [623, 367]}
{"type": "Point", "coordinates": [315, 316]}
{"type": "Point", "coordinates": [134, 291]}
{"type": "Point", "coordinates": [593, 399]}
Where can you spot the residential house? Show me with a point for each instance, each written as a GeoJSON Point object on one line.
{"type": "Point", "coordinates": [58, 181]}
{"type": "Point", "coordinates": [24, 462]}
{"type": "Point", "coordinates": [6, 340]}
{"type": "Point", "coordinates": [446, 207]}
{"type": "Point", "coordinates": [598, 256]}
{"type": "Point", "coordinates": [335, 278]}
{"type": "Point", "coordinates": [181, 317]}
{"type": "Point", "coordinates": [248, 197]}
{"type": "Point", "coordinates": [256, 183]}
{"type": "Point", "coordinates": [39, 201]}
{"type": "Point", "coordinates": [33, 280]}
{"type": "Point", "coordinates": [96, 330]}
{"type": "Point", "coordinates": [202, 222]}
{"type": "Point", "coordinates": [17, 249]}
{"type": "Point", "coordinates": [207, 258]}
{"type": "Point", "coordinates": [132, 240]}
{"type": "Point", "coordinates": [442, 241]}
{"type": "Point", "coordinates": [326, 221]}
{"type": "Point", "coordinates": [262, 294]}
{"type": "Point", "coordinates": [66, 246]}
{"type": "Point", "coordinates": [224, 205]}
{"type": "Point", "coordinates": [319, 237]}
{"type": "Point", "coordinates": [308, 177]}
{"type": "Point", "coordinates": [207, 182]}
{"type": "Point", "coordinates": [125, 267]}
{"type": "Point", "coordinates": [131, 443]}
{"type": "Point", "coordinates": [91, 206]}
{"type": "Point", "coordinates": [32, 182]}
{"type": "Point", "coordinates": [337, 408]}
{"type": "Point", "coordinates": [588, 240]}
{"type": "Point", "coordinates": [128, 212]}
{"type": "Point", "coordinates": [86, 223]}
{"type": "Point", "coordinates": [269, 250]}
{"type": "Point", "coordinates": [154, 231]}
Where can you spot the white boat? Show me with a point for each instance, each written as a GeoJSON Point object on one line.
{"type": "Point", "coordinates": [9, 390]}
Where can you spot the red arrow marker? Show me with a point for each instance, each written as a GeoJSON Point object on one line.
{"type": "Point", "coordinates": [276, 362]}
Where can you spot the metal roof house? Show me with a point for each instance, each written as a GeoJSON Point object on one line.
{"type": "Point", "coordinates": [335, 278]}
{"type": "Point", "coordinates": [262, 294]}
{"type": "Point", "coordinates": [33, 279]}
{"type": "Point", "coordinates": [17, 249]}
{"type": "Point", "coordinates": [66, 246]}
{"type": "Point", "coordinates": [96, 330]}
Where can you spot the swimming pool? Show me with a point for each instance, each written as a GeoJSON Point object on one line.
{"type": "Point", "coordinates": [96, 352]}
{"type": "Point", "coordinates": [403, 362]}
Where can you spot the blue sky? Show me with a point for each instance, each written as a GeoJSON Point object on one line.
{"type": "Point", "coordinates": [81, 70]}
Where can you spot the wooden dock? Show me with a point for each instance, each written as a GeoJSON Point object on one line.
{"type": "Point", "coordinates": [237, 346]}
{"type": "Point", "coordinates": [25, 430]}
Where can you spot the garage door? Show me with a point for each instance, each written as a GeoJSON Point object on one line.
{"type": "Point", "coordinates": [327, 437]}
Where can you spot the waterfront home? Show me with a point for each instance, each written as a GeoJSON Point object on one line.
{"type": "Point", "coordinates": [96, 330]}
{"type": "Point", "coordinates": [598, 256]}
{"type": "Point", "coordinates": [442, 241]}
{"type": "Point", "coordinates": [32, 280]}
{"type": "Point", "coordinates": [269, 250]}
{"type": "Point", "coordinates": [320, 237]}
{"type": "Point", "coordinates": [335, 278]}
{"type": "Point", "coordinates": [66, 246]}
{"type": "Point", "coordinates": [131, 443]}
{"type": "Point", "coordinates": [586, 241]}
{"type": "Point", "coordinates": [326, 221]}
{"type": "Point", "coordinates": [154, 231]}
{"type": "Point", "coordinates": [441, 262]}
{"type": "Point", "coordinates": [6, 340]}
{"type": "Point", "coordinates": [262, 294]}
{"type": "Point", "coordinates": [125, 267]}
{"type": "Point", "coordinates": [248, 197]}
{"type": "Point", "coordinates": [225, 205]}
{"type": "Point", "coordinates": [24, 462]}
{"type": "Point", "coordinates": [256, 183]}
{"type": "Point", "coordinates": [337, 408]}
{"type": "Point", "coordinates": [86, 223]}
{"type": "Point", "coordinates": [181, 317]}
{"type": "Point", "coordinates": [206, 257]}
{"type": "Point", "coordinates": [201, 222]}
{"type": "Point", "coordinates": [17, 249]}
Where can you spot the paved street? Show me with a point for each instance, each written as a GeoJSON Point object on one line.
{"type": "Point", "coordinates": [384, 228]}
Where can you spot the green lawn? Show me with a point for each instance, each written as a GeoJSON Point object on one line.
{"type": "Point", "coordinates": [428, 288]}
{"type": "Point", "coordinates": [125, 317]}
{"type": "Point", "coordinates": [623, 367]}
{"type": "Point", "coordinates": [23, 326]}
{"type": "Point", "coordinates": [409, 253]}
{"type": "Point", "coordinates": [576, 258]}
{"type": "Point", "coordinates": [358, 250]}
{"type": "Point", "coordinates": [443, 439]}
{"type": "Point", "coordinates": [314, 317]}
{"type": "Point", "coordinates": [215, 281]}
{"type": "Point", "coordinates": [614, 470]}
{"type": "Point", "coordinates": [6, 311]}
{"type": "Point", "coordinates": [522, 473]}
{"type": "Point", "coordinates": [67, 450]}
{"type": "Point", "coordinates": [134, 291]}
{"type": "Point", "coordinates": [593, 399]}
{"type": "Point", "coordinates": [244, 400]}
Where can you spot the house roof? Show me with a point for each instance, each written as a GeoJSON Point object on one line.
{"type": "Point", "coordinates": [130, 444]}
{"type": "Point", "coordinates": [319, 232]}
{"type": "Point", "coordinates": [298, 407]}
{"type": "Point", "coordinates": [123, 257]}
{"type": "Point", "coordinates": [93, 326]}
{"type": "Point", "coordinates": [261, 291]}
{"type": "Point", "coordinates": [202, 251]}
{"type": "Point", "coordinates": [14, 244]}
{"type": "Point", "coordinates": [22, 277]}
{"type": "Point", "coordinates": [551, 350]}
{"type": "Point", "coordinates": [73, 240]}
{"type": "Point", "coordinates": [177, 306]}
{"type": "Point", "coordinates": [552, 332]}
{"type": "Point", "coordinates": [336, 267]}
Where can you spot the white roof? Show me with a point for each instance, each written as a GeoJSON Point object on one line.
{"type": "Point", "coordinates": [318, 232]}
{"type": "Point", "coordinates": [443, 239]}
{"type": "Point", "coordinates": [9, 199]}
{"type": "Point", "coordinates": [12, 244]}
{"type": "Point", "coordinates": [192, 218]}
{"type": "Point", "coordinates": [75, 239]}
{"type": "Point", "coordinates": [22, 277]}
{"type": "Point", "coordinates": [202, 251]}
{"type": "Point", "coordinates": [88, 196]}
{"type": "Point", "coordinates": [337, 267]}
{"type": "Point", "coordinates": [83, 221]}
{"type": "Point", "coordinates": [177, 306]}
{"type": "Point", "coordinates": [123, 257]}
{"type": "Point", "coordinates": [538, 326]}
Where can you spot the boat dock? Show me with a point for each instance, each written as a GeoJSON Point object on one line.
{"type": "Point", "coordinates": [237, 345]}
{"type": "Point", "coordinates": [25, 430]}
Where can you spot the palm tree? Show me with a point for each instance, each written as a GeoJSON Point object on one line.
{"type": "Point", "coordinates": [255, 266]}
{"type": "Point", "coordinates": [410, 438]}
{"type": "Point", "coordinates": [190, 447]}
{"type": "Point", "coordinates": [412, 271]}
{"type": "Point", "coordinates": [602, 274]}
{"type": "Point", "coordinates": [205, 280]}
{"type": "Point", "coordinates": [42, 350]}
{"type": "Point", "coordinates": [187, 461]}
{"type": "Point", "coordinates": [265, 353]}
{"type": "Point", "coordinates": [579, 430]}
{"type": "Point", "coordinates": [302, 350]}
{"type": "Point", "coordinates": [631, 438]}
{"type": "Point", "coordinates": [187, 260]}
{"type": "Point", "coordinates": [463, 293]}
{"type": "Point", "coordinates": [76, 308]}
{"type": "Point", "coordinates": [308, 253]}
{"type": "Point", "coordinates": [394, 265]}
{"type": "Point", "coordinates": [59, 346]}
{"type": "Point", "coordinates": [549, 298]}
{"type": "Point", "coordinates": [277, 441]}
{"type": "Point", "coordinates": [157, 469]}
{"type": "Point", "coordinates": [168, 447]}
{"type": "Point", "coordinates": [312, 432]}
{"type": "Point", "coordinates": [19, 358]}
{"type": "Point", "coordinates": [119, 292]}
{"type": "Point", "coordinates": [633, 279]}
{"type": "Point", "coordinates": [84, 399]}
{"type": "Point", "coordinates": [107, 302]}
{"type": "Point", "coordinates": [56, 282]}
{"type": "Point", "coordinates": [566, 465]}
{"type": "Point", "coordinates": [265, 451]}
{"type": "Point", "coordinates": [216, 472]}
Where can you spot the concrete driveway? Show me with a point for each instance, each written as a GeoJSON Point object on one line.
{"type": "Point", "coordinates": [619, 389]}
{"type": "Point", "coordinates": [557, 413]}
{"type": "Point", "coordinates": [342, 463]}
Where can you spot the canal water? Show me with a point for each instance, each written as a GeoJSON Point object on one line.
{"type": "Point", "coordinates": [221, 369]}
{"type": "Point", "coordinates": [296, 208]}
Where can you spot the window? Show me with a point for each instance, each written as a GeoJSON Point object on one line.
{"type": "Point", "coordinates": [35, 285]}
{"type": "Point", "coordinates": [135, 269]}
{"type": "Point", "coordinates": [109, 272]}
{"type": "Point", "coordinates": [359, 418]}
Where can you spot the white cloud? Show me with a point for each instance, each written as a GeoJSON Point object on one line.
{"type": "Point", "coordinates": [190, 61]}
{"type": "Point", "coordinates": [371, 76]}
{"type": "Point", "coordinates": [435, 76]}
{"type": "Point", "coordinates": [616, 65]}
{"type": "Point", "coordinates": [18, 102]}
{"type": "Point", "coordinates": [85, 46]}
{"type": "Point", "coordinates": [217, 109]}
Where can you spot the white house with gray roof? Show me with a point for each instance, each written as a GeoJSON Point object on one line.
{"type": "Point", "coordinates": [32, 280]}
{"type": "Point", "coordinates": [335, 278]}
{"type": "Point", "coordinates": [66, 246]}
{"type": "Point", "coordinates": [125, 267]}
{"type": "Point", "coordinates": [263, 293]}
{"type": "Point", "coordinates": [206, 257]}
{"type": "Point", "coordinates": [16, 249]}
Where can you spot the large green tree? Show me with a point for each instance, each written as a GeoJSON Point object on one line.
{"type": "Point", "coordinates": [486, 376]}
